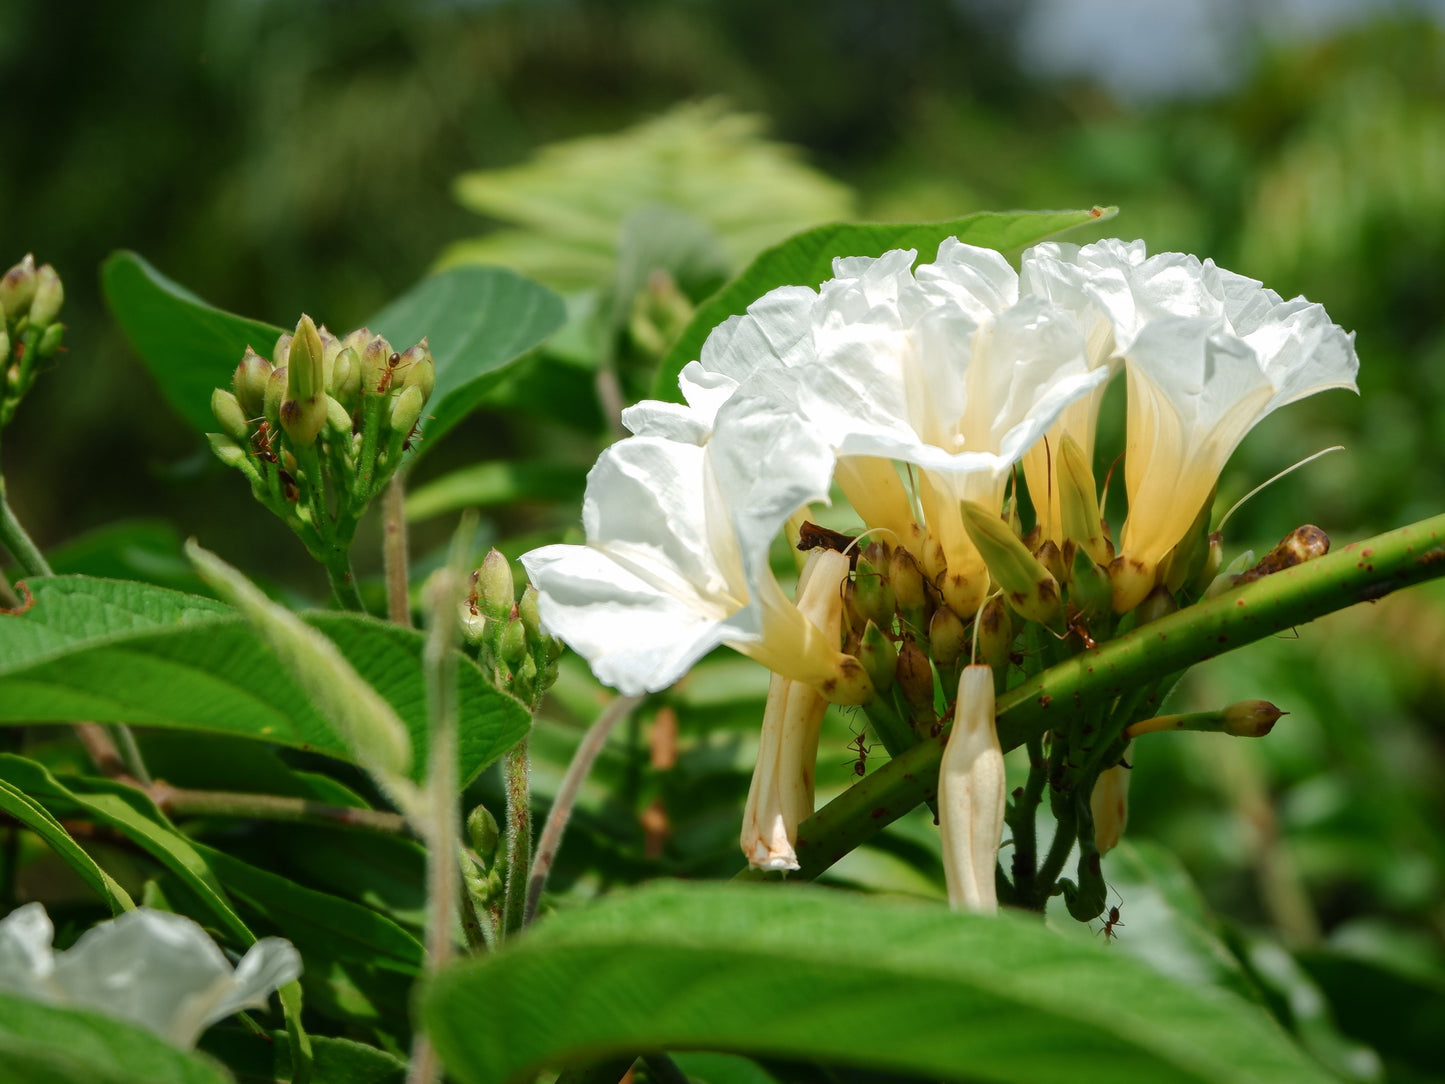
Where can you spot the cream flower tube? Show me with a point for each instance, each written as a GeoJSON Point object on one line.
{"type": "Point", "coordinates": [1213, 354]}
{"type": "Point", "coordinates": [152, 968]}
{"type": "Point", "coordinates": [676, 560]}
{"type": "Point", "coordinates": [972, 790]}
{"type": "Point", "coordinates": [780, 796]}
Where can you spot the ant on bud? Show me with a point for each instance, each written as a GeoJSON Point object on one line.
{"type": "Point", "coordinates": [384, 384]}
{"type": "Point", "coordinates": [261, 443]}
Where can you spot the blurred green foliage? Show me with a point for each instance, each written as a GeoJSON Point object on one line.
{"type": "Point", "coordinates": [276, 157]}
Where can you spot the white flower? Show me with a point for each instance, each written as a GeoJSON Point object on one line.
{"type": "Point", "coordinates": [972, 791]}
{"type": "Point", "coordinates": [676, 560]}
{"type": "Point", "coordinates": [781, 794]}
{"type": "Point", "coordinates": [152, 968]}
{"type": "Point", "coordinates": [1208, 354]}
{"type": "Point", "coordinates": [949, 369]}
{"type": "Point", "coordinates": [1092, 284]}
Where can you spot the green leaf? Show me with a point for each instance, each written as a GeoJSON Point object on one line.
{"type": "Point", "coordinates": [799, 972]}
{"type": "Point", "coordinates": [806, 259]}
{"type": "Point", "coordinates": [119, 652]}
{"type": "Point", "coordinates": [476, 320]}
{"type": "Point", "coordinates": [359, 964]}
{"type": "Point", "coordinates": [484, 485]}
{"type": "Point", "coordinates": [190, 347]}
{"type": "Point", "coordinates": [262, 1059]}
{"type": "Point", "coordinates": [31, 814]}
{"type": "Point", "coordinates": [45, 1044]}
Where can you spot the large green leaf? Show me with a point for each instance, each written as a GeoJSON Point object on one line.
{"type": "Point", "coordinates": [800, 972]}
{"type": "Point", "coordinates": [476, 320]}
{"type": "Point", "coordinates": [806, 259]}
{"type": "Point", "coordinates": [119, 652]}
{"type": "Point", "coordinates": [46, 1044]}
{"type": "Point", "coordinates": [189, 346]}
{"type": "Point", "coordinates": [35, 817]}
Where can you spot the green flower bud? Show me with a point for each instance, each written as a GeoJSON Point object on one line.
{"type": "Point", "coordinates": [1158, 603]}
{"type": "Point", "coordinates": [531, 618]}
{"type": "Point", "coordinates": [417, 369]}
{"type": "Point", "coordinates": [1232, 571]}
{"type": "Point", "coordinates": [406, 410]}
{"type": "Point", "coordinates": [995, 633]}
{"type": "Point", "coordinates": [274, 394]}
{"type": "Point", "coordinates": [879, 658]}
{"type": "Point", "coordinates": [513, 647]}
{"type": "Point", "coordinates": [525, 679]}
{"type": "Point", "coordinates": [872, 593]}
{"type": "Point", "coordinates": [17, 287]}
{"type": "Point", "coordinates": [4, 343]}
{"type": "Point", "coordinates": [376, 366]}
{"type": "Point", "coordinates": [1246, 719]}
{"type": "Point", "coordinates": [49, 296]}
{"type": "Point", "coordinates": [1079, 502]}
{"type": "Point", "coordinates": [947, 636]}
{"type": "Point", "coordinates": [496, 590]}
{"type": "Point", "coordinates": [281, 352]}
{"type": "Point", "coordinates": [303, 411]}
{"type": "Point", "coordinates": [229, 415]}
{"type": "Point", "coordinates": [49, 340]}
{"type": "Point", "coordinates": [906, 579]}
{"type": "Point", "coordinates": [227, 451]}
{"type": "Point", "coordinates": [344, 382]}
{"type": "Point", "coordinates": [337, 417]}
{"type": "Point", "coordinates": [249, 383]}
{"type": "Point", "coordinates": [1091, 593]}
{"type": "Point", "coordinates": [1027, 585]}
{"type": "Point", "coordinates": [483, 832]}
{"type": "Point", "coordinates": [933, 561]}
{"type": "Point", "coordinates": [1048, 554]}
{"type": "Point", "coordinates": [915, 679]}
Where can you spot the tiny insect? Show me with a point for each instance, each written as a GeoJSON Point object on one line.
{"type": "Point", "coordinates": [261, 442]}
{"type": "Point", "coordinates": [1081, 630]}
{"type": "Point", "coordinates": [1111, 923]}
{"type": "Point", "coordinates": [860, 765]}
{"type": "Point", "coordinates": [813, 537]}
{"type": "Point", "coordinates": [384, 384]}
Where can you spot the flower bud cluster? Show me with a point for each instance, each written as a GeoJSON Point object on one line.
{"type": "Point", "coordinates": [506, 632]}
{"type": "Point", "coordinates": [30, 301]}
{"type": "Point", "coordinates": [321, 425]}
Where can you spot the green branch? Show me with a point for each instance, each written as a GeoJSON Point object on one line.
{"type": "Point", "coordinates": [1362, 572]}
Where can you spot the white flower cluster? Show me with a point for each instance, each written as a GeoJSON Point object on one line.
{"type": "Point", "coordinates": [152, 968]}
{"type": "Point", "coordinates": [956, 370]}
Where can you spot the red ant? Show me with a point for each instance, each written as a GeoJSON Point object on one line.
{"type": "Point", "coordinates": [384, 384]}
{"type": "Point", "coordinates": [261, 442]}
{"type": "Point", "coordinates": [1078, 628]}
{"type": "Point", "coordinates": [1111, 923]}
{"type": "Point", "coordinates": [860, 766]}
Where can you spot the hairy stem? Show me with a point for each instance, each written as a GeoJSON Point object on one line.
{"type": "Point", "coordinates": [176, 801]}
{"type": "Point", "coordinates": [1361, 572]}
{"type": "Point", "coordinates": [517, 769]}
{"type": "Point", "coordinates": [393, 551]}
{"type": "Point", "coordinates": [14, 538]}
{"type": "Point", "coordinates": [561, 812]}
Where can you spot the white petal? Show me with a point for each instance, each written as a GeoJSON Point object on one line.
{"type": "Point", "coordinates": [152, 968]}
{"type": "Point", "coordinates": [268, 965]}
{"type": "Point", "coordinates": [26, 959]}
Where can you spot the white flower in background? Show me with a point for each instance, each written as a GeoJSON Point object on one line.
{"type": "Point", "coordinates": [1208, 354]}
{"type": "Point", "coordinates": [781, 794]}
{"type": "Point", "coordinates": [949, 369]}
{"type": "Point", "coordinates": [152, 968]}
{"type": "Point", "coordinates": [972, 790]}
{"type": "Point", "coordinates": [676, 560]}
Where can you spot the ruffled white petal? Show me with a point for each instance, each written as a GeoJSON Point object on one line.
{"type": "Point", "coordinates": [155, 969]}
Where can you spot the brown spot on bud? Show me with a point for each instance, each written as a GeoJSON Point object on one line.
{"type": "Point", "coordinates": [1300, 545]}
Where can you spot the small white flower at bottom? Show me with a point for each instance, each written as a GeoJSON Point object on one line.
{"type": "Point", "coordinates": [971, 795]}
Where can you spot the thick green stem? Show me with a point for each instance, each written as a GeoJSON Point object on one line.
{"type": "Point", "coordinates": [337, 562]}
{"type": "Point", "coordinates": [1362, 572]}
{"type": "Point", "coordinates": [1023, 817]}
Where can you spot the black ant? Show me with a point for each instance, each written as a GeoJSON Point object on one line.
{"type": "Point", "coordinates": [860, 765]}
